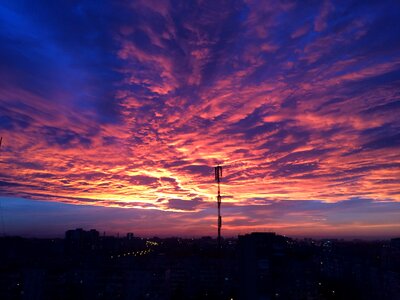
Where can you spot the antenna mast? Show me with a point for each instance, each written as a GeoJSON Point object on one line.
{"type": "Point", "coordinates": [218, 176]}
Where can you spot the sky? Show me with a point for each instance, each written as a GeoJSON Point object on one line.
{"type": "Point", "coordinates": [114, 113]}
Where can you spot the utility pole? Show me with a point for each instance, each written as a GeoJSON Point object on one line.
{"type": "Point", "coordinates": [218, 176]}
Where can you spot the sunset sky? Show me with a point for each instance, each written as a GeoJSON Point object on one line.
{"type": "Point", "coordinates": [113, 114]}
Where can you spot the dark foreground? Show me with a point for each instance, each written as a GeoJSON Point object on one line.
{"type": "Point", "coordinates": [85, 265]}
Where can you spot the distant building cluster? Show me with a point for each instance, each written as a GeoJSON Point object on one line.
{"type": "Point", "coordinates": [259, 265]}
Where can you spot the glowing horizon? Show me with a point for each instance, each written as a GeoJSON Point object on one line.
{"type": "Point", "coordinates": [132, 105]}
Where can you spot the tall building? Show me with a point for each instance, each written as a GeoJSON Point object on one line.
{"type": "Point", "coordinates": [79, 240]}
{"type": "Point", "coordinates": [259, 254]}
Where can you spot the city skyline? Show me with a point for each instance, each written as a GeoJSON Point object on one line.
{"type": "Point", "coordinates": [113, 116]}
